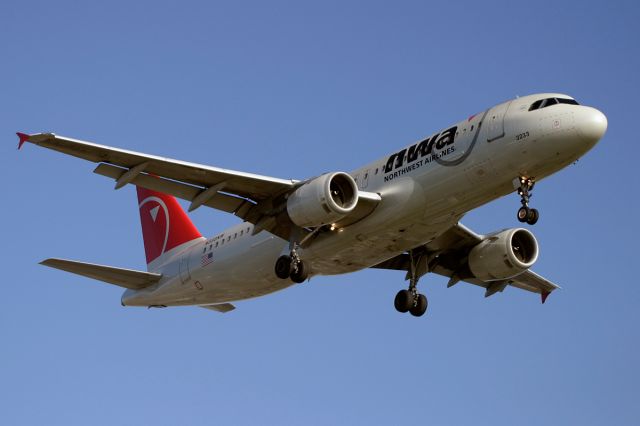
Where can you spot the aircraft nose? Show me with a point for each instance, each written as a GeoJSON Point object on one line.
{"type": "Point", "coordinates": [591, 125]}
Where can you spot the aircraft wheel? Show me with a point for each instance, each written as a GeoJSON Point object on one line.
{"type": "Point", "coordinates": [403, 301]}
{"type": "Point", "coordinates": [421, 306]}
{"type": "Point", "coordinates": [533, 216]}
{"type": "Point", "coordinates": [299, 273]}
{"type": "Point", "coordinates": [523, 214]}
{"type": "Point", "coordinates": [283, 267]}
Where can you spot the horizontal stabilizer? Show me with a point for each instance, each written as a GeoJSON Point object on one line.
{"type": "Point", "coordinates": [127, 278]}
{"type": "Point", "coordinates": [221, 307]}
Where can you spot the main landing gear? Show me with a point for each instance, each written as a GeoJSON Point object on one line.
{"type": "Point", "coordinates": [410, 300]}
{"type": "Point", "coordinates": [292, 266]}
{"type": "Point", "coordinates": [525, 213]}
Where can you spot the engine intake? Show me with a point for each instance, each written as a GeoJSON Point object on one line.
{"type": "Point", "coordinates": [503, 255]}
{"type": "Point", "coordinates": [323, 200]}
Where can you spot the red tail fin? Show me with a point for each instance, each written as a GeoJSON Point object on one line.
{"type": "Point", "coordinates": [165, 225]}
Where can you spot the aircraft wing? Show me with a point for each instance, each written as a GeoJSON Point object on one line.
{"type": "Point", "coordinates": [251, 197]}
{"type": "Point", "coordinates": [242, 184]}
{"type": "Point", "coordinates": [447, 256]}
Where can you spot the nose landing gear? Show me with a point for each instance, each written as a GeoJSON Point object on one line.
{"type": "Point", "coordinates": [410, 300]}
{"type": "Point", "coordinates": [524, 187]}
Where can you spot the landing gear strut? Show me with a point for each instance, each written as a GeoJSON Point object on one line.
{"type": "Point", "coordinates": [291, 266]}
{"type": "Point", "coordinates": [526, 214]}
{"type": "Point", "coordinates": [410, 300]}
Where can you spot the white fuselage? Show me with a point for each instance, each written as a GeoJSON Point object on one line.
{"type": "Point", "coordinates": [425, 189]}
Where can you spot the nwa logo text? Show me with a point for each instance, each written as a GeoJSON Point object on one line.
{"type": "Point", "coordinates": [431, 148]}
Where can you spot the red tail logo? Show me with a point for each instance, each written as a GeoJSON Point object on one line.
{"type": "Point", "coordinates": [165, 225]}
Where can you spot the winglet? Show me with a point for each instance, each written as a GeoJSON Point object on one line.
{"type": "Point", "coordinates": [23, 138]}
{"type": "Point", "coordinates": [544, 295]}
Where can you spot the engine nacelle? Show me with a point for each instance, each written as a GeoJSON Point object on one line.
{"type": "Point", "coordinates": [323, 200]}
{"type": "Point", "coordinates": [503, 255]}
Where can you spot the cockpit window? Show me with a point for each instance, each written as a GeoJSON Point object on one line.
{"type": "Point", "coordinates": [536, 105]}
{"type": "Point", "coordinates": [543, 103]}
{"type": "Point", "coordinates": [567, 101]}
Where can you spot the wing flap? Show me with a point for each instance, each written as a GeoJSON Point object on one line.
{"type": "Point", "coordinates": [127, 278]}
{"type": "Point", "coordinates": [533, 282]}
{"type": "Point", "coordinates": [220, 201]}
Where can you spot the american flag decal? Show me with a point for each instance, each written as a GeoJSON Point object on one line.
{"type": "Point", "coordinates": [206, 259]}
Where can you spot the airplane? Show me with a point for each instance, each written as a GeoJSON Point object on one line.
{"type": "Point", "coordinates": [401, 212]}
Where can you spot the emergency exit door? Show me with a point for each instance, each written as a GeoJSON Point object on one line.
{"type": "Point", "coordinates": [495, 121]}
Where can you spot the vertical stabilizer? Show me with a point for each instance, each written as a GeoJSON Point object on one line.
{"type": "Point", "coordinates": [165, 225]}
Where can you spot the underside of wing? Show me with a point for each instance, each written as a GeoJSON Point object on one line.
{"type": "Point", "coordinates": [245, 185]}
{"type": "Point", "coordinates": [258, 199]}
{"type": "Point", "coordinates": [448, 255]}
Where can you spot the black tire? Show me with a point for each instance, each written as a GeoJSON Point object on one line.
{"type": "Point", "coordinates": [299, 274]}
{"type": "Point", "coordinates": [403, 301]}
{"type": "Point", "coordinates": [523, 214]}
{"type": "Point", "coordinates": [283, 267]}
{"type": "Point", "coordinates": [421, 306]}
{"type": "Point", "coordinates": [533, 216]}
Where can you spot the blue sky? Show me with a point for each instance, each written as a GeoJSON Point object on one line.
{"type": "Point", "coordinates": [292, 89]}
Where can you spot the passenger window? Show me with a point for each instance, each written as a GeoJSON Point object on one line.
{"type": "Point", "coordinates": [235, 235]}
{"type": "Point", "coordinates": [216, 244]}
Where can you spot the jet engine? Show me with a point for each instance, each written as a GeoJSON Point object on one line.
{"type": "Point", "coordinates": [323, 200]}
{"type": "Point", "coordinates": [503, 255]}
